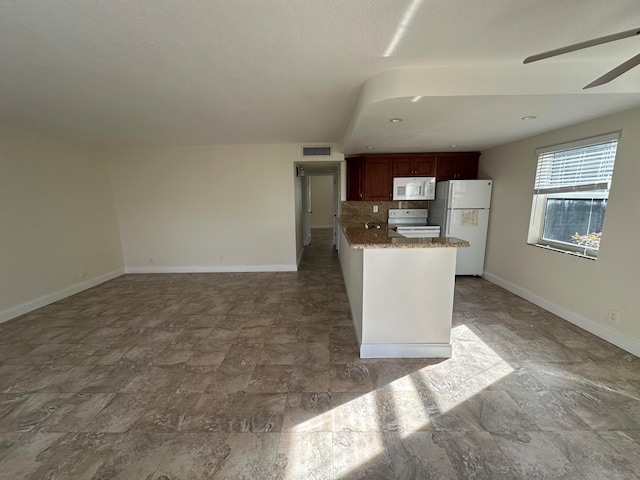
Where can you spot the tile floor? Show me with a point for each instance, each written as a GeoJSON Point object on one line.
{"type": "Point", "coordinates": [257, 376]}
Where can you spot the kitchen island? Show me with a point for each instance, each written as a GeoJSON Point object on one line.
{"type": "Point", "coordinates": [400, 291]}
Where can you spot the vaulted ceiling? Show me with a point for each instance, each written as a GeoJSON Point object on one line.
{"type": "Point", "coordinates": [308, 71]}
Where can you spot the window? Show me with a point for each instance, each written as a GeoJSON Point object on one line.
{"type": "Point", "coordinates": [570, 195]}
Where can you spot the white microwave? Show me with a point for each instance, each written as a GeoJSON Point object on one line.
{"type": "Point", "coordinates": [414, 188]}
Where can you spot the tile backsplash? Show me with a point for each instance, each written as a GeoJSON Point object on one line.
{"type": "Point", "coordinates": [362, 212]}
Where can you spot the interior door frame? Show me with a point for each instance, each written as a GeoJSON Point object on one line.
{"type": "Point", "coordinates": [303, 177]}
{"type": "Point", "coordinates": [306, 210]}
{"type": "Point", "coordinates": [336, 206]}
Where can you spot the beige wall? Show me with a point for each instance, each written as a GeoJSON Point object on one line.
{"type": "Point", "coordinates": [322, 201]}
{"type": "Point", "coordinates": [206, 208]}
{"type": "Point", "coordinates": [57, 218]}
{"type": "Point", "coordinates": [578, 289]}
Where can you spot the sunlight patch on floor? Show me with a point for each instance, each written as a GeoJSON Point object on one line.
{"type": "Point", "coordinates": [453, 382]}
{"type": "Point", "coordinates": [407, 404]}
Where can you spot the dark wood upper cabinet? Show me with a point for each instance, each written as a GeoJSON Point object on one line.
{"type": "Point", "coordinates": [370, 177]}
{"type": "Point", "coordinates": [414, 165]}
{"type": "Point", "coordinates": [355, 180]}
{"type": "Point", "coordinates": [378, 179]}
{"type": "Point", "coordinates": [402, 167]}
{"type": "Point", "coordinates": [458, 166]}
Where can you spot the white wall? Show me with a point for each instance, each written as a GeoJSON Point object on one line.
{"type": "Point", "coordinates": [398, 283]}
{"type": "Point", "coordinates": [352, 265]}
{"type": "Point", "coordinates": [578, 289]}
{"type": "Point", "coordinates": [206, 208]}
{"type": "Point", "coordinates": [322, 201]}
{"type": "Point", "coordinates": [57, 217]}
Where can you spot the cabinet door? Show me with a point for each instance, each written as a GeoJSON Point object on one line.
{"type": "Point", "coordinates": [416, 165]}
{"type": "Point", "coordinates": [424, 166]}
{"type": "Point", "coordinates": [446, 169]}
{"type": "Point", "coordinates": [355, 179]}
{"type": "Point", "coordinates": [468, 167]}
{"type": "Point", "coordinates": [463, 166]}
{"type": "Point", "coordinates": [378, 178]}
{"type": "Point", "coordinates": [402, 167]}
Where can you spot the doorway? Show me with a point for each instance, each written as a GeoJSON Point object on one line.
{"type": "Point", "coordinates": [317, 202]}
{"type": "Point", "coordinates": [321, 209]}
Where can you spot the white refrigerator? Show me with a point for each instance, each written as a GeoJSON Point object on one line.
{"type": "Point", "coordinates": [461, 209]}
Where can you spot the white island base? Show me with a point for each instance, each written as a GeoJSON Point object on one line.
{"type": "Point", "coordinates": [401, 299]}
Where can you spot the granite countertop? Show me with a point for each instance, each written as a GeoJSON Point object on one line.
{"type": "Point", "coordinates": [385, 237]}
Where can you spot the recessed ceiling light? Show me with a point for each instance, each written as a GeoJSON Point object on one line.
{"type": "Point", "coordinates": [416, 99]}
{"type": "Point", "coordinates": [395, 120]}
{"type": "Point", "coordinates": [529, 117]}
{"type": "Point", "coordinates": [369, 147]}
{"type": "Point", "coordinates": [453, 145]}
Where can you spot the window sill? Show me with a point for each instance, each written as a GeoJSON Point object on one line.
{"type": "Point", "coordinates": [559, 250]}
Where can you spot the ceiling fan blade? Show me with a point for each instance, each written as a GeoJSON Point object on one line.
{"type": "Point", "coordinates": [581, 45]}
{"type": "Point", "coordinates": [615, 73]}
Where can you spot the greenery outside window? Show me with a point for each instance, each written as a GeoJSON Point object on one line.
{"type": "Point", "coordinates": [570, 195]}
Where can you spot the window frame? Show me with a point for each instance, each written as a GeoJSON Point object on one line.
{"type": "Point", "coordinates": [582, 250]}
{"type": "Point", "coordinates": [539, 200]}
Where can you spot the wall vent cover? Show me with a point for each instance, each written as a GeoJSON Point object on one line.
{"type": "Point", "coordinates": [316, 151]}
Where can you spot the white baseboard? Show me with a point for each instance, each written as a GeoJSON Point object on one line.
{"type": "Point", "coordinates": [40, 302]}
{"type": "Point", "coordinates": [214, 269]}
{"type": "Point", "coordinates": [405, 350]}
{"type": "Point", "coordinates": [322, 226]}
{"type": "Point", "coordinates": [619, 339]}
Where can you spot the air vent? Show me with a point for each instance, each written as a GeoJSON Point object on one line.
{"type": "Point", "coordinates": [316, 151]}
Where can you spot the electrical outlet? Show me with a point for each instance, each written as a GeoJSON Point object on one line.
{"type": "Point", "coordinates": [614, 316]}
{"type": "Point", "coordinates": [375, 209]}
{"type": "Point", "coordinates": [82, 273]}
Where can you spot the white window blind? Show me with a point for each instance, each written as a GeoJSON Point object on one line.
{"type": "Point", "coordinates": [576, 168]}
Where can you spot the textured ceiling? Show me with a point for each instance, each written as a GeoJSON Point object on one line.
{"type": "Point", "coordinates": [291, 71]}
